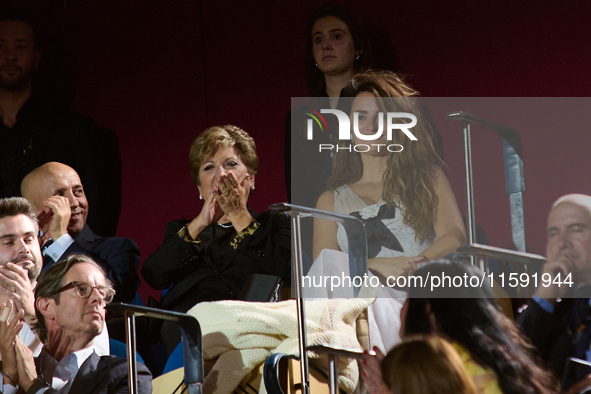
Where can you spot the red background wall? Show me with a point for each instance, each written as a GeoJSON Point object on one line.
{"type": "Point", "coordinates": [160, 72]}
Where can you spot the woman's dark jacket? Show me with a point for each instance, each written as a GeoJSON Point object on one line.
{"type": "Point", "coordinates": [213, 269]}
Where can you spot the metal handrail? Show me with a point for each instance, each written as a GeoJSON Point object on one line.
{"type": "Point", "coordinates": [514, 179]}
{"type": "Point", "coordinates": [357, 264]}
{"type": "Point", "coordinates": [191, 340]}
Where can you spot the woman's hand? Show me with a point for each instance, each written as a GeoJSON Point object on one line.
{"type": "Point", "coordinates": [372, 372]}
{"type": "Point", "coordinates": [231, 194]}
{"type": "Point", "coordinates": [232, 197]}
{"type": "Point", "coordinates": [581, 385]}
{"type": "Point", "coordinates": [385, 267]}
{"type": "Point", "coordinates": [210, 213]}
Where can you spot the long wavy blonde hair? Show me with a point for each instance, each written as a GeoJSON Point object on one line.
{"type": "Point", "coordinates": [409, 180]}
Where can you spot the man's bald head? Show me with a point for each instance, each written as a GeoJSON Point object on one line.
{"type": "Point", "coordinates": [57, 179]}
{"type": "Point", "coordinates": [579, 199]}
{"type": "Point", "coordinates": [569, 233]}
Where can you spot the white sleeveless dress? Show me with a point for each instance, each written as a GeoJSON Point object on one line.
{"type": "Point", "coordinates": [384, 313]}
{"type": "Point", "coordinates": [347, 202]}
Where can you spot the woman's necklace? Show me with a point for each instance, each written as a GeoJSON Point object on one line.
{"type": "Point", "coordinates": [225, 225]}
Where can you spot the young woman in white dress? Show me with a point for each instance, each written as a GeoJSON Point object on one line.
{"type": "Point", "coordinates": [407, 191]}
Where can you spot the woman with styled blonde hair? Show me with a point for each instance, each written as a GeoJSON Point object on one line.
{"type": "Point", "coordinates": [211, 256]}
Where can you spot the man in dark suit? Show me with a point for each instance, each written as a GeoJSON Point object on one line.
{"type": "Point", "coordinates": [58, 195]}
{"type": "Point", "coordinates": [558, 319]}
{"type": "Point", "coordinates": [70, 301]}
{"type": "Point", "coordinates": [35, 130]}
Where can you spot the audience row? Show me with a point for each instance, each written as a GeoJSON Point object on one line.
{"type": "Point", "coordinates": [52, 262]}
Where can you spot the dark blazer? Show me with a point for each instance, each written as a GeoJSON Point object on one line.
{"type": "Point", "coordinates": [213, 270]}
{"type": "Point", "coordinates": [549, 332]}
{"type": "Point", "coordinates": [106, 375]}
{"type": "Point", "coordinates": [119, 257]}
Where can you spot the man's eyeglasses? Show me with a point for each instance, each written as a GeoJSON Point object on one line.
{"type": "Point", "coordinates": [85, 289]}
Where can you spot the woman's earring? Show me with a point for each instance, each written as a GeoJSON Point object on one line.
{"type": "Point", "coordinates": [252, 187]}
{"type": "Point", "coordinates": [357, 58]}
{"type": "Point", "coordinates": [200, 197]}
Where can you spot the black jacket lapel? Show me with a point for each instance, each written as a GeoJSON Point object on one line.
{"type": "Point", "coordinates": [87, 377]}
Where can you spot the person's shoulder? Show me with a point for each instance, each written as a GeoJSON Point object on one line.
{"type": "Point", "coordinates": [113, 373]}
{"type": "Point", "coordinates": [275, 217]}
{"type": "Point", "coordinates": [118, 365]}
{"type": "Point", "coordinates": [326, 201]}
{"type": "Point", "coordinates": [88, 234]}
{"type": "Point", "coordinates": [112, 361]}
{"type": "Point", "coordinates": [99, 243]}
{"type": "Point", "coordinates": [439, 173]}
{"type": "Point", "coordinates": [564, 307]}
{"type": "Point", "coordinates": [176, 225]}
{"type": "Point", "coordinates": [121, 241]}
{"type": "Point", "coordinates": [484, 378]}
{"type": "Point", "coordinates": [53, 111]}
{"type": "Point", "coordinates": [70, 117]}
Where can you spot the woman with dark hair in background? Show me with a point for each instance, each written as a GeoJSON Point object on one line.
{"type": "Point", "coordinates": [496, 354]}
{"type": "Point", "coordinates": [337, 48]}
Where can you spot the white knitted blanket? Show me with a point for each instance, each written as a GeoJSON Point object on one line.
{"type": "Point", "coordinates": [241, 335]}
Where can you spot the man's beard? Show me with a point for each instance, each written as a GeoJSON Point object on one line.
{"type": "Point", "coordinates": [16, 84]}
{"type": "Point", "coordinates": [32, 273]}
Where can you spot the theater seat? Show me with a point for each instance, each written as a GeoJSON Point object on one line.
{"type": "Point", "coordinates": [119, 349]}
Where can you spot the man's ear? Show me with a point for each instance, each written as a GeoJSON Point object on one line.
{"type": "Point", "coordinates": [46, 306]}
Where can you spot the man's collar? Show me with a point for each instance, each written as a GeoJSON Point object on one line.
{"type": "Point", "coordinates": [83, 354]}
{"type": "Point", "coordinates": [86, 235]}
{"type": "Point", "coordinates": [27, 108]}
{"type": "Point", "coordinates": [63, 373]}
